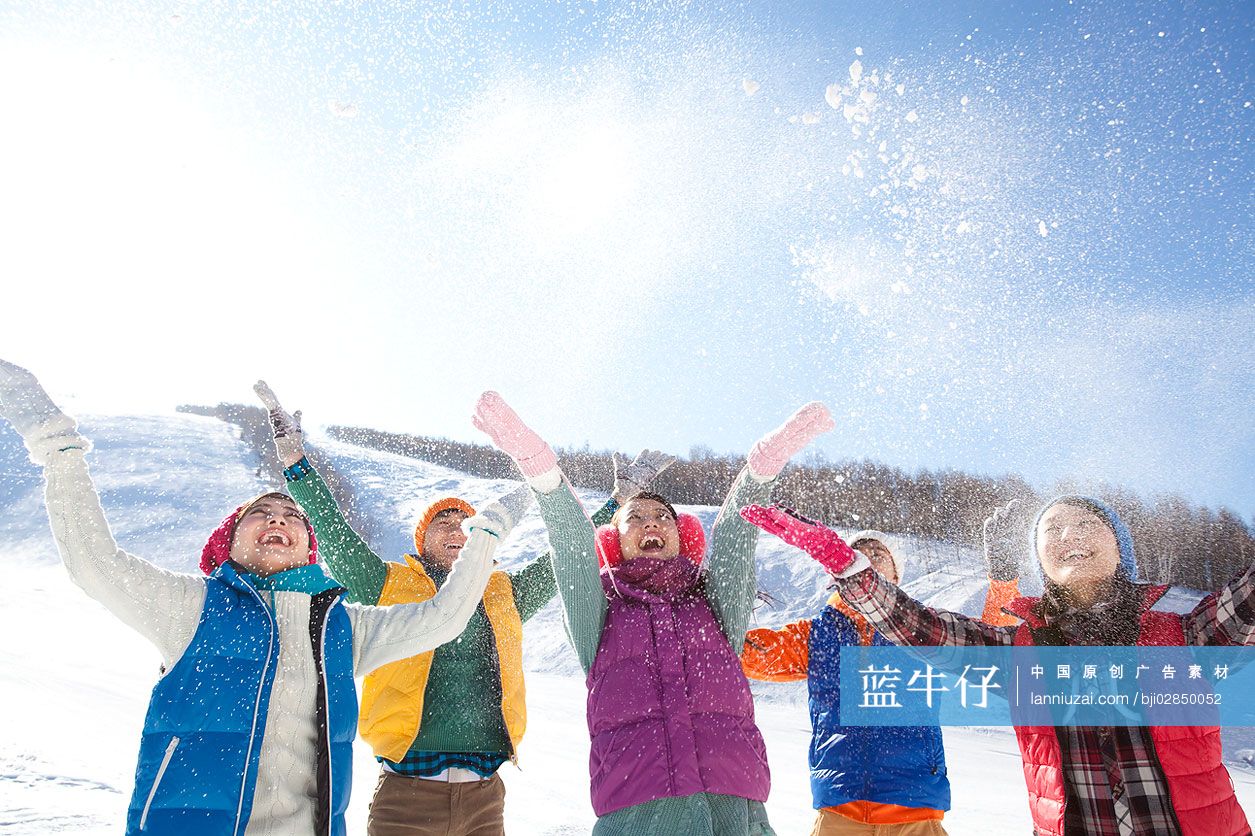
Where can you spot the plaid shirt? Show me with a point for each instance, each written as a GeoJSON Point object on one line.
{"type": "Point", "coordinates": [427, 764]}
{"type": "Point", "coordinates": [1113, 781]}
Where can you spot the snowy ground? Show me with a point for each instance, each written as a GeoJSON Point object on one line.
{"type": "Point", "coordinates": [74, 682]}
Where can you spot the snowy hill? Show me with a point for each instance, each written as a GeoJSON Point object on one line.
{"type": "Point", "coordinates": [74, 682]}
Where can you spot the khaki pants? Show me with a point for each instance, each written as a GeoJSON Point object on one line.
{"type": "Point", "coordinates": [405, 806]}
{"type": "Point", "coordinates": [835, 824]}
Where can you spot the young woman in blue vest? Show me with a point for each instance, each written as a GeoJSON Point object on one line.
{"type": "Point", "coordinates": [249, 729]}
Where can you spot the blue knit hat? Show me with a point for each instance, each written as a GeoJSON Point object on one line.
{"type": "Point", "coordinates": [1124, 540]}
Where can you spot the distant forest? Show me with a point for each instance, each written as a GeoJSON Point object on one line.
{"type": "Point", "coordinates": [1177, 541]}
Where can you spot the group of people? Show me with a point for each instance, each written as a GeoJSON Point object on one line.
{"type": "Point", "coordinates": [249, 728]}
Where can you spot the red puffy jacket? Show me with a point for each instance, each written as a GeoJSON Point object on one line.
{"type": "Point", "coordinates": [1200, 788]}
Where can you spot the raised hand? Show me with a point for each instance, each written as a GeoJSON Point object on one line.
{"type": "Point", "coordinates": [494, 417]}
{"type": "Point", "coordinates": [814, 538]}
{"type": "Point", "coordinates": [23, 402]}
{"type": "Point", "coordinates": [773, 451]}
{"type": "Point", "coordinates": [630, 478]}
{"type": "Point", "coordinates": [40, 422]}
{"type": "Point", "coordinates": [1005, 536]}
{"type": "Point", "coordinates": [289, 440]}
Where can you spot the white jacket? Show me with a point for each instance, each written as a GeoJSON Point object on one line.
{"type": "Point", "coordinates": [165, 607]}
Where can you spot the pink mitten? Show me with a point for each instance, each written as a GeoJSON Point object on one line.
{"type": "Point", "coordinates": [816, 539]}
{"type": "Point", "coordinates": [514, 438]}
{"type": "Point", "coordinates": [773, 451]}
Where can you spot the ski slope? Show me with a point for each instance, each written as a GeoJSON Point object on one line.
{"type": "Point", "coordinates": [74, 682]}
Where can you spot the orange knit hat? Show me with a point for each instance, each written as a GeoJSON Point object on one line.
{"type": "Point", "coordinates": [446, 504]}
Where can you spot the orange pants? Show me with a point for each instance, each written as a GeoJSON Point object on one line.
{"type": "Point", "coordinates": [828, 823]}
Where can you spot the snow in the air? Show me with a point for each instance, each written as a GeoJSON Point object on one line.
{"type": "Point", "coordinates": [77, 681]}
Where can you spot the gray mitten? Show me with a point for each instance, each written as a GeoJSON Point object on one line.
{"type": "Point", "coordinates": [630, 478]}
{"type": "Point", "coordinates": [1004, 539]}
{"type": "Point", "coordinates": [289, 440]}
{"type": "Point", "coordinates": [501, 516]}
{"type": "Point", "coordinates": [44, 428]}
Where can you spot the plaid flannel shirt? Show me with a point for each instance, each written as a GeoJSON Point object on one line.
{"type": "Point", "coordinates": [1113, 782]}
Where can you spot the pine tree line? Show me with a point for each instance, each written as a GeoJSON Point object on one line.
{"type": "Point", "coordinates": [1177, 541]}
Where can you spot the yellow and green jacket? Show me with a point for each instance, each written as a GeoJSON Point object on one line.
{"type": "Point", "coordinates": [466, 696]}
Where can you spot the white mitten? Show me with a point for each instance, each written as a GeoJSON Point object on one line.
{"type": "Point", "coordinates": [501, 516]}
{"type": "Point", "coordinates": [42, 425]}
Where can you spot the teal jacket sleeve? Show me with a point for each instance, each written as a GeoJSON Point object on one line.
{"type": "Point", "coordinates": [346, 555]}
{"type": "Point", "coordinates": [730, 571]}
{"type": "Point", "coordinates": [534, 585]}
{"type": "Point", "coordinates": [571, 535]}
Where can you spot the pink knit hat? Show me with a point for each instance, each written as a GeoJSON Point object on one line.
{"type": "Point", "coordinates": [218, 549]}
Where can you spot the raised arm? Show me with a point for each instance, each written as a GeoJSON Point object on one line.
{"type": "Point", "coordinates": [777, 655]}
{"type": "Point", "coordinates": [1003, 536]}
{"type": "Point", "coordinates": [387, 634]}
{"type": "Point", "coordinates": [162, 606]}
{"type": "Point", "coordinates": [535, 585]}
{"type": "Point", "coordinates": [571, 533]}
{"type": "Point", "coordinates": [1225, 617]}
{"type": "Point", "coordinates": [348, 557]}
{"type": "Point", "coordinates": [898, 616]}
{"type": "Point", "coordinates": [730, 572]}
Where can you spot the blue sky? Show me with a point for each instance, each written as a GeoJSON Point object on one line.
{"type": "Point", "coordinates": [997, 237]}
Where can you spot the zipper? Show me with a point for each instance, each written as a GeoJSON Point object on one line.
{"type": "Point", "coordinates": [252, 736]}
{"type": "Point", "coordinates": [161, 771]}
{"type": "Point", "coordinates": [326, 702]}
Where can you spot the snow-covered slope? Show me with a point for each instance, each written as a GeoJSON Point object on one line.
{"type": "Point", "coordinates": [74, 682]}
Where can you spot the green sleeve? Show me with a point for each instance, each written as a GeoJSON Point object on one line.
{"type": "Point", "coordinates": [575, 570]}
{"type": "Point", "coordinates": [534, 585]}
{"type": "Point", "coordinates": [346, 555]}
{"type": "Point", "coordinates": [730, 570]}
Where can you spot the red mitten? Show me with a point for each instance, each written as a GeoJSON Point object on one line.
{"type": "Point", "coordinates": [816, 539]}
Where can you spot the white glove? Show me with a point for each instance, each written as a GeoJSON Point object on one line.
{"type": "Point", "coordinates": [42, 425]}
{"type": "Point", "coordinates": [630, 478]}
{"type": "Point", "coordinates": [501, 516]}
{"type": "Point", "coordinates": [289, 440]}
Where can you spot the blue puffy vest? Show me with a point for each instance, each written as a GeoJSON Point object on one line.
{"type": "Point", "coordinates": [903, 765]}
{"type": "Point", "coordinates": [206, 719]}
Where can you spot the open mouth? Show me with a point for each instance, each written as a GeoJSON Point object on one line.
{"type": "Point", "coordinates": [453, 547]}
{"type": "Point", "coordinates": [274, 537]}
{"type": "Point", "coordinates": [652, 543]}
{"type": "Point", "coordinates": [1074, 557]}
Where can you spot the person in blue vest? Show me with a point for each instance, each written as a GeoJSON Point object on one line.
{"type": "Point", "coordinates": [888, 781]}
{"type": "Point", "coordinates": [249, 729]}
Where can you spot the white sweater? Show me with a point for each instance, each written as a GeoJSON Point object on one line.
{"type": "Point", "coordinates": [165, 607]}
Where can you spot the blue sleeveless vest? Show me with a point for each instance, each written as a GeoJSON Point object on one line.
{"type": "Point", "coordinates": [207, 716]}
{"type": "Point", "coordinates": [903, 765]}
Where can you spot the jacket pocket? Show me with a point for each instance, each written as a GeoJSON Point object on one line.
{"type": "Point", "coordinates": [161, 771]}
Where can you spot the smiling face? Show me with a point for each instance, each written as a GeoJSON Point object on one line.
{"type": "Point", "coordinates": [1077, 549]}
{"type": "Point", "coordinates": [647, 529]}
{"type": "Point", "coordinates": [271, 536]}
{"type": "Point", "coordinates": [443, 540]}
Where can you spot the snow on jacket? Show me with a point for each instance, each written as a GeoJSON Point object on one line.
{"type": "Point", "coordinates": [901, 767]}
{"type": "Point", "coordinates": [669, 709]}
{"type": "Point", "coordinates": [1158, 769]}
{"type": "Point", "coordinates": [1202, 794]}
{"type": "Point", "coordinates": [727, 589]}
{"type": "Point", "coordinates": [167, 608]}
{"type": "Point", "coordinates": [230, 667]}
{"type": "Point", "coordinates": [466, 696]}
